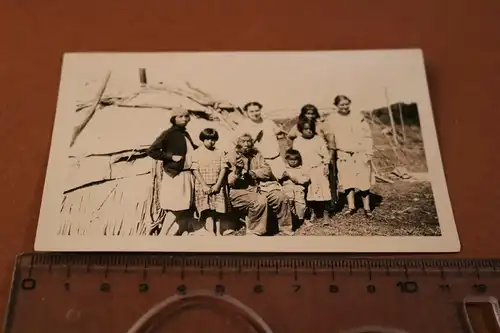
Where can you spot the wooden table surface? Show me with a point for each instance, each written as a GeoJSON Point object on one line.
{"type": "Point", "coordinates": [460, 41]}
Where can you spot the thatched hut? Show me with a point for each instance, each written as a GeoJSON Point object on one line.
{"type": "Point", "coordinates": [111, 186]}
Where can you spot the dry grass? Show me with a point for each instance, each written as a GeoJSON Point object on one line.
{"type": "Point", "coordinates": [410, 154]}
{"type": "Point", "coordinates": [401, 209]}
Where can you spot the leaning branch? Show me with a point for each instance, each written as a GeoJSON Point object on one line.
{"type": "Point", "coordinates": [79, 128]}
{"type": "Point", "coordinates": [391, 117]}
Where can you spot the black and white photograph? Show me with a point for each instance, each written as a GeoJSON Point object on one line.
{"type": "Point", "coordinates": [310, 151]}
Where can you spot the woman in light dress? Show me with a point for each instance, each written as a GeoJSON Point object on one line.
{"type": "Point", "coordinates": [265, 134]}
{"type": "Point", "coordinates": [354, 144]}
{"type": "Point", "coordinates": [173, 148]}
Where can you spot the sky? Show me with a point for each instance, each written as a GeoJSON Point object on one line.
{"type": "Point", "coordinates": [278, 80]}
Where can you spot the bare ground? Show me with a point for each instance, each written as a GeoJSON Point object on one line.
{"type": "Point", "coordinates": [404, 208]}
{"type": "Point", "coordinates": [400, 209]}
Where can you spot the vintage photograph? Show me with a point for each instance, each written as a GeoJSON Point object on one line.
{"type": "Point", "coordinates": [245, 151]}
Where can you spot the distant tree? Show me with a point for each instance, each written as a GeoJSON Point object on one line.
{"type": "Point", "coordinates": [409, 111]}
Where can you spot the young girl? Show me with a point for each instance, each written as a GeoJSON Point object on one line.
{"type": "Point", "coordinates": [295, 182]}
{"type": "Point", "coordinates": [315, 157]}
{"type": "Point", "coordinates": [324, 130]}
{"type": "Point", "coordinates": [310, 112]}
{"type": "Point", "coordinates": [210, 167]}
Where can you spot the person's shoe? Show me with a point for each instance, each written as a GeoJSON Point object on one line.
{"type": "Point", "coordinates": [350, 211]}
{"type": "Point", "coordinates": [368, 213]}
{"type": "Point", "coordinates": [202, 232]}
{"type": "Point", "coordinates": [287, 232]}
{"type": "Point", "coordinates": [228, 232]}
{"type": "Point", "coordinates": [307, 224]}
{"type": "Point", "coordinates": [313, 217]}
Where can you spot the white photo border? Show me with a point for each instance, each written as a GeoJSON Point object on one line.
{"type": "Point", "coordinates": [48, 240]}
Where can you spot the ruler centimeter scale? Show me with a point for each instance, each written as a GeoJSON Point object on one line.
{"type": "Point", "coordinates": [164, 293]}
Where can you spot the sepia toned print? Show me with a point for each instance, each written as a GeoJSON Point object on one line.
{"type": "Point", "coordinates": [245, 151]}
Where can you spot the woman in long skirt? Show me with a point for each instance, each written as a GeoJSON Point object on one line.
{"type": "Point", "coordinates": [354, 144]}
{"type": "Point", "coordinates": [173, 148]}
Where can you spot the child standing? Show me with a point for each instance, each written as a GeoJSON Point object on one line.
{"type": "Point", "coordinates": [295, 182]}
{"type": "Point", "coordinates": [315, 157]}
{"type": "Point", "coordinates": [210, 167]}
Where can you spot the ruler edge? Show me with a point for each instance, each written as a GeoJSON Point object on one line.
{"type": "Point", "coordinates": [10, 306]}
{"type": "Point", "coordinates": [20, 259]}
{"type": "Point", "coordinates": [254, 260]}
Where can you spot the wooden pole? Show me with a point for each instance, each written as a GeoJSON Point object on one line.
{"type": "Point", "coordinates": [402, 121]}
{"type": "Point", "coordinates": [79, 128]}
{"type": "Point", "coordinates": [143, 77]}
{"type": "Point", "coordinates": [391, 116]}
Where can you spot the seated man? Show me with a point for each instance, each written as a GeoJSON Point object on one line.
{"type": "Point", "coordinates": [253, 189]}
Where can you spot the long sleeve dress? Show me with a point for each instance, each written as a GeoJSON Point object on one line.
{"type": "Point", "coordinates": [354, 144]}
{"type": "Point", "coordinates": [177, 184]}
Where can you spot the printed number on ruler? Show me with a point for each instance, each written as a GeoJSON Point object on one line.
{"type": "Point", "coordinates": [220, 289]}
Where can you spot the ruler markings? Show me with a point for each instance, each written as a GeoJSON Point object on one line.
{"type": "Point", "coordinates": [106, 270]}
{"type": "Point", "coordinates": [145, 270]}
{"type": "Point", "coordinates": [373, 269]}
{"type": "Point", "coordinates": [31, 266]}
{"type": "Point", "coordinates": [423, 265]}
{"type": "Point", "coordinates": [29, 283]}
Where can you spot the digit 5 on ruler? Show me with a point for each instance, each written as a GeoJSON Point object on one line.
{"type": "Point", "coordinates": [111, 293]}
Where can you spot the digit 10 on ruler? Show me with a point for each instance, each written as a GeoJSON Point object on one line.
{"type": "Point", "coordinates": [70, 292]}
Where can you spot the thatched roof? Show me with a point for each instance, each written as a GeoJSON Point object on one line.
{"type": "Point", "coordinates": [165, 99]}
{"type": "Point", "coordinates": [134, 123]}
{"type": "Point", "coordinates": [111, 186]}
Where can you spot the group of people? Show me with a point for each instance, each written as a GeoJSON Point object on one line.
{"type": "Point", "coordinates": [275, 192]}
